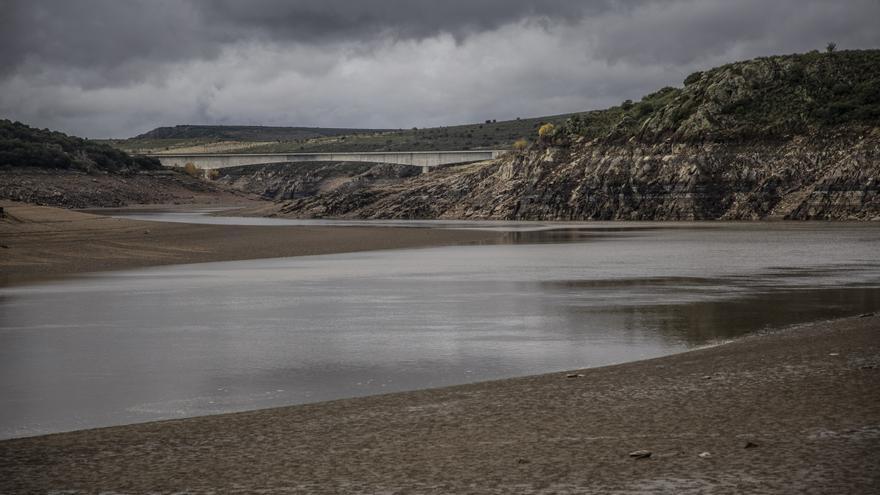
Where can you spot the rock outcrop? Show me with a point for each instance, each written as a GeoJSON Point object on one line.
{"type": "Point", "coordinates": [798, 179]}
{"type": "Point", "coordinates": [285, 181]}
{"type": "Point", "coordinates": [789, 137]}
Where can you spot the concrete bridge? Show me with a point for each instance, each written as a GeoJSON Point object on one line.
{"type": "Point", "coordinates": [424, 159]}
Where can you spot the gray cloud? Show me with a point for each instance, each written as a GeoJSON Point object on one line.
{"type": "Point", "coordinates": [109, 34]}
{"type": "Point", "coordinates": [110, 68]}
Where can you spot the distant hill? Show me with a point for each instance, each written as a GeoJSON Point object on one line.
{"type": "Point", "coordinates": [23, 146]}
{"type": "Point", "coordinates": [245, 132]}
{"type": "Point", "coordinates": [490, 134]}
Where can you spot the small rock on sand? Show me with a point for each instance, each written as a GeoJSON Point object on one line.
{"type": "Point", "coordinates": [574, 375]}
{"type": "Point", "coordinates": [704, 455]}
{"type": "Point", "coordinates": [750, 445]}
{"type": "Point", "coordinates": [640, 454]}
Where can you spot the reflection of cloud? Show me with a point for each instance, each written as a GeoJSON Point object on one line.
{"type": "Point", "coordinates": [117, 68]}
{"type": "Point", "coordinates": [698, 318]}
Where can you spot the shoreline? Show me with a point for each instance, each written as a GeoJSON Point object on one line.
{"type": "Point", "coordinates": [41, 244]}
{"type": "Point", "coordinates": [782, 412]}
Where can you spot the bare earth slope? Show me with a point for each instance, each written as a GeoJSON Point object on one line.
{"type": "Point", "coordinates": [792, 412]}
{"type": "Point", "coordinates": [75, 189]}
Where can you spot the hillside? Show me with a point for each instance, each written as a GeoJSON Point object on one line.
{"type": "Point", "coordinates": [24, 146]}
{"type": "Point", "coordinates": [246, 133]}
{"type": "Point", "coordinates": [281, 181]}
{"type": "Point", "coordinates": [765, 98]}
{"type": "Point", "coordinates": [486, 135]}
{"type": "Point", "coordinates": [44, 167]}
{"type": "Point", "coordinates": [794, 137]}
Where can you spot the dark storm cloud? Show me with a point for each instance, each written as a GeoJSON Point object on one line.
{"type": "Point", "coordinates": [110, 67]}
{"type": "Point", "coordinates": [313, 20]}
{"type": "Point", "coordinates": [112, 34]}
{"type": "Point", "coordinates": [92, 33]}
{"type": "Point", "coordinates": [681, 32]}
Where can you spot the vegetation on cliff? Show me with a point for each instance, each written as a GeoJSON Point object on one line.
{"type": "Point", "coordinates": [765, 98]}
{"type": "Point", "coordinates": [24, 146]}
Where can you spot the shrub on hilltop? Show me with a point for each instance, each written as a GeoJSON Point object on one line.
{"type": "Point", "coordinates": [25, 146]}
{"type": "Point", "coordinates": [759, 99]}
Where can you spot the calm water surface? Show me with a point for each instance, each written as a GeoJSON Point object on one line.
{"type": "Point", "coordinates": [189, 340]}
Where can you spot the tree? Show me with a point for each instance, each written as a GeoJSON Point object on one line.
{"type": "Point", "coordinates": [831, 47]}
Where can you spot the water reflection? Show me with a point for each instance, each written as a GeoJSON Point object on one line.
{"type": "Point", "coordinates": [722, 319]}
{"type": "Point", "coordinates": [186, 340]}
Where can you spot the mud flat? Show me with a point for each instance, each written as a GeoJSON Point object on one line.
{"type": "Point", "coordinates": [41, 243]}
{"type": "Point", "coordinates": [795, 411]}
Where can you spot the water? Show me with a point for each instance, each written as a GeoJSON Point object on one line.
{"type": "Point", "coordinates": [186, 340]}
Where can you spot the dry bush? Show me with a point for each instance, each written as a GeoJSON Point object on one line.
{"type": "Point", "coordinates": [192, 170]}
{"type": "Point", "coordinates": [546, 131]}
{"type": "Point", "coordinates": [520, 144]}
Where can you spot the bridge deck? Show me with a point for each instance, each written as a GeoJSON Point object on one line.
{"type": "Point", "coordinates": [425, 159]}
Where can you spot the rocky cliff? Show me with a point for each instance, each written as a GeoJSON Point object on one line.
{"type": "Point", "coordinates": [828, 179]}
{"type": "Point", "coordinates": [284, 181]}
{"type": "Point", "coordinates": [790, 137]}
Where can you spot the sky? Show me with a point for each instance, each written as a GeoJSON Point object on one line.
{"type": "Point", "coordinates": [117, 68]}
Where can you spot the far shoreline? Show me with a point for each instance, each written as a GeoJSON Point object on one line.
{"type": "Point", "coordinates": [41, 244]}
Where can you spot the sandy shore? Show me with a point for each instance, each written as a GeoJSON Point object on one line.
{"type": "Point", "coordinates": [791, 412]}
{"type": "Point", "coordinates": [40, 243]}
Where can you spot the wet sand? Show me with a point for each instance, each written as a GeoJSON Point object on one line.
{"type": "Point", "coordinates": [796, 411]}
{"type": "Point", "coordinates": [41, 243]}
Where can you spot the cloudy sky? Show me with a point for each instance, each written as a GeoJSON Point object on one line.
{"type": "Point", "coordinates": [116, 68]}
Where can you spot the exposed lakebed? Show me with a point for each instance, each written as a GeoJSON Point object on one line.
{"type": "Point", "coordinates": [186, 340]}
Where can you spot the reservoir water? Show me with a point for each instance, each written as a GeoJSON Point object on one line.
{"type": "Point", "coordinates": [186, 340]}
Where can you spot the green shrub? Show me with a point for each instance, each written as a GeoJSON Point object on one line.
{"type": "Point", "coordinates": [692, 78]}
